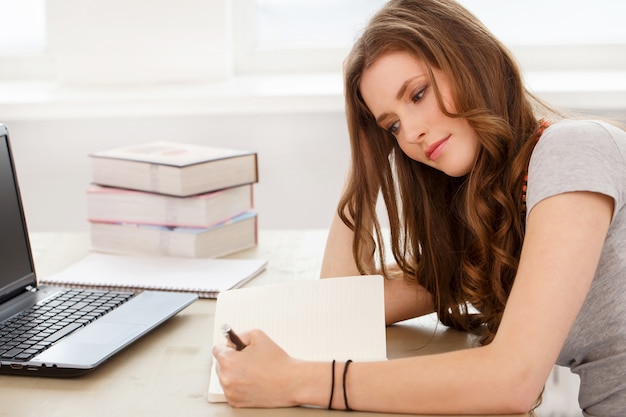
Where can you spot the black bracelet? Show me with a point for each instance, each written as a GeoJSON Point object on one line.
{"type": "Point", "coordinates": [332, 387]}
{"type": "Point", "coordinates": [345, 393]}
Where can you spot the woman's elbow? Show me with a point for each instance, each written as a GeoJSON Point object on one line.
{"type": "Point", "coordinates": [521, 391]}
{"type": "Point", "coordinates": [518, 383]}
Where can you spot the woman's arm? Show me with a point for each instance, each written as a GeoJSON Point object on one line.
{"type": "Point", "coordinates": [402, 300]}
{"type": "Point", "coordinates": [338, 260]}
{"type": "Point", "coordinates": [564, 239]}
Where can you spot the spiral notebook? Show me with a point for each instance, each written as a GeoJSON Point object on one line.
{"type": "Point", "coordinates": [206, 277]}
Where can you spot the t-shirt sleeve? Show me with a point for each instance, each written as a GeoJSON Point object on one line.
{"type": "Point", "coordinates": [578, 156]}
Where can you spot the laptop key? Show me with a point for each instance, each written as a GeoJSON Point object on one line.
{"type": "Point", "coordinates": [11, 354]}
{"type": "Point", "coordinates": [23, 356]}
{"type": "Point", "coordinates": [63, 332]}
{"type": "Point", "coordinates": [35, 330]}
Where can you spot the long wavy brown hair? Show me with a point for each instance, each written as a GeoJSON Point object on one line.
{"type": "Point", "coordinates": [460, 238]}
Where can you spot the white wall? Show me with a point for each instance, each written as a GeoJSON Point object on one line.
{"type": "Point", "coordinates": [303, 159]}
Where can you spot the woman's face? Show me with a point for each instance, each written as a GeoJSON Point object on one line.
{"type": "Point", "coordinates": [400, 94]}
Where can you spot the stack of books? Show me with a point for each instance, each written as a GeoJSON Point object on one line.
{"type": "Point", "coordinates": [172, 199]}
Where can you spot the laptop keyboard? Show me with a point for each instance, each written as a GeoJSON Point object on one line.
{"type": "Point", "coordinates": [34, 330]}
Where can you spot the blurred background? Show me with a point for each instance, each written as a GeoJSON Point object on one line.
{"type": "Point", "coordinates": [79, 76]}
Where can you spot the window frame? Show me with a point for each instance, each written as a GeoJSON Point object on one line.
{"type": "Point", "coordinates": [248, 60]}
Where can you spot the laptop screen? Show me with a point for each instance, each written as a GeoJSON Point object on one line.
{"type": "Point", "coordinates": [16, 266]}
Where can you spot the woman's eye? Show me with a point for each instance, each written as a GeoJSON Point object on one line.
{"type": "Point", "coordinates": [393, 128]}
{"type": "Point", "coordinates": [418, 96]}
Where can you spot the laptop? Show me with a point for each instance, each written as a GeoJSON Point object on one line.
{"type": "Point", "coordinates": [89, 326]}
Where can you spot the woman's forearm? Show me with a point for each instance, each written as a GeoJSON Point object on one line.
{"type": "Point", "coordinates": [338, 256]}
{"type": "Point", "coordinates": [463, 382]}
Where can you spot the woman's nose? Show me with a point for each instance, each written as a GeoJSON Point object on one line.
{"type": "Point", "coordinates": [414, 129]}
{"type": "Point", "coordinates": [414, 136]}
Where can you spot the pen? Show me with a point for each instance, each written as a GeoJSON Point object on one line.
{"type": "Point", "coordinates": [232, 336]}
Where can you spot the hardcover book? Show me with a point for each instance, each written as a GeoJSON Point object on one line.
{"type": "Point", "coordinates": [174, 168]}
{"type": "Point", "coordinates": [118, 205]}
{"type": "Point", "coordinates": [222, 239]}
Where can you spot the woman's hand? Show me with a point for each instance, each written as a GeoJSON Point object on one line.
{"type": "Point", "coordinates": [259, 376]}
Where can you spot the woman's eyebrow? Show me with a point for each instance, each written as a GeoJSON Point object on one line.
{"type": "Point", "coordinates": [403, 87]}
{"type": "Point", "coordinates": [399, 95]}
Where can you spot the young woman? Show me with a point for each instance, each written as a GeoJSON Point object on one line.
{"type": "Point", "coordinates": [506, 224]}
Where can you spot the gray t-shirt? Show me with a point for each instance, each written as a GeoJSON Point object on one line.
{"type": "Point", "coordinates": [591, 156]}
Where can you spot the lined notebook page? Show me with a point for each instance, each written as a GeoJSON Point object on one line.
{"type": "Point", "coordinates": [320, 320]}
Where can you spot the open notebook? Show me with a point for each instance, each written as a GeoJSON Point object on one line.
{"type": "Point", "coordinates": [320, 320]}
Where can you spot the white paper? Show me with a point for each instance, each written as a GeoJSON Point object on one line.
{"type": "Point", "coordinates": [319, 320]}
{"type": "Point", "coordinates": [204, 276]}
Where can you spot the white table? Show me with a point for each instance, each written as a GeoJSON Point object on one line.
{"type": "Point", "coordinates": [166, 373]}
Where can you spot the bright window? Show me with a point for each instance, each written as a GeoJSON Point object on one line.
{"type": "Point", "coordinates": [23, 27]}
{"type": "Point", "coordinates": [315, 35]}
{"type": "Point", "coordinates": [271, 36]}
{"type": "Point", "coordinates": [553, 21]}
{"type": "Point", "coordinates": [300, 36]}
{"type": "Point", "coordinates": [311, 23]}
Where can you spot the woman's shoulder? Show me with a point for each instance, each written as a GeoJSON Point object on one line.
{"type": "Point", "coordinates": [587, 136]}
{"type": "Point", "coordinates": [578, 155]}
{"type": "Point", "coordinates": [584, 129]}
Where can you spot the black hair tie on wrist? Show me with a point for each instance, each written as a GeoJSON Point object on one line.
{"type": "Point", "coordinates": [345, 393]}
{"type": "Point", "coordinates": [332, 387]}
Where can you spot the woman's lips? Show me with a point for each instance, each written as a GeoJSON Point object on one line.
{"type": "Point", "coordinates": [434, 151]}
